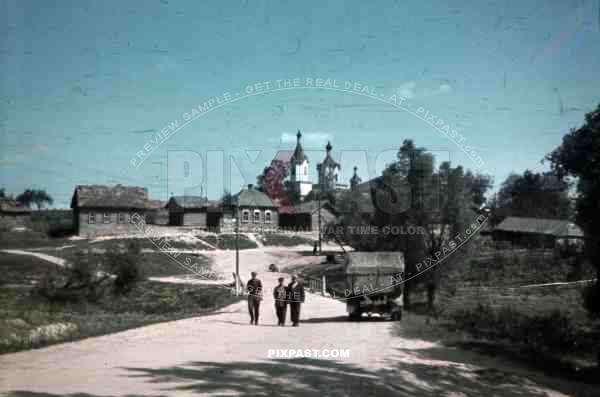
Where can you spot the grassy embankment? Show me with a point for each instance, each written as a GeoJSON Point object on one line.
{"type": "Point", "coordinates": [28, 320]}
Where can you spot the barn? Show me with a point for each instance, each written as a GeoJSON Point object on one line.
{"type": "Point", "coordinates": [157, 212]}
{"type": "Point", "coordinates": [305, 216]}
{"type": "Point", "coordinates": [193, 211]}
{"type": "Point", "coordinates": [13, 214]}
{"type": "Point", "coordinates": [106, 210]}
{"type": "Point", "coordinates": [536, 232]}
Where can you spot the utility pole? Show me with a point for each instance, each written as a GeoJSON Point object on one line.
{"type": "Point", "coordinates": [319, 223]}
{"type": "Point", "coordinates": [237, 250]}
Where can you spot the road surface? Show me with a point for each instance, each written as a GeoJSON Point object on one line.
{"type": "Point", "coordinates": [221, 354]}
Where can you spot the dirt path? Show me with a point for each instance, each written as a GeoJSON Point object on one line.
{"type": "Point", "coordinates": [49, 258]}
{"type": "Point", "coordinates": [220, 354]}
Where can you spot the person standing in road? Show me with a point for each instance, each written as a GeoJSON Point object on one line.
{"type": "Point", "coordinates": [280, 296]}
{"type": "Point", "coordinates": [296, 298]}
{"type": "Point", "coordinates": [254, 289]}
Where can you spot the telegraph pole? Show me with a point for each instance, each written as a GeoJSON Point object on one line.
{"type": "Point", "coordinates": [237, 250]}
{"type": "Point", "coordinates": [319, 223]}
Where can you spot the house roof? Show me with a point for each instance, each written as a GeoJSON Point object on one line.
{"type": "Point", "coordinates": [553, 227]}
{"type": "Point", "coordinates": [365, 187]}
{"type": "Point", "coordinates": [252, 198]}
{"type": "Point", "coordinates": [307, 207]}
{"type": "Point", "coordinates": [156, 204]}
{"type": "Point", "coordinates": [102, 196]}
{"type": "Point", "coordinates": [12, 206]}
{"type": "Point", "coordinates": [189, 201]}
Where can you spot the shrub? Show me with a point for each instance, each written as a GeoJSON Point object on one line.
{"type": "Point", "coordinates": [78, 280]}
{"type": "Point", "coordinates": [591, 298]}
{"type": "Point", "coordinates": [552, 331]}
{"type": "Point", "coordinates": [125, 266]}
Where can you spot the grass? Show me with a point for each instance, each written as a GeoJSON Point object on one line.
{"type": "Point", "coordinates": [22, 310]}
{"type": "Point", "coordinates": [227, 241]}
{"type": "Point", "coordinates": [284, 240]}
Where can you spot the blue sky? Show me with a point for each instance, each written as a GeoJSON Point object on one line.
{"type": "Point", "coordinates": [84, 85]}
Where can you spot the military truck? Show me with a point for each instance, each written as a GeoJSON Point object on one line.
{"type": "Point", "coordinates": [374, 283]}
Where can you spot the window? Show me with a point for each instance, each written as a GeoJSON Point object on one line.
{"type": "Point", "coordinates": [245, 216]}
{"type": "Point", "coordinates": [305, 170]}
{"type": "Point", "coordinates": [267, 216]}
{"type": "Point", "coordinates": [256, 216]}
{"type": "Point", "coordinates": [91, 217]}
{"type": "Point", "coordinates": [106, 218]}
{"type": "Point", "coordinates": [121, 218]}
{"type": "Point", "coordinates": [134, 218]}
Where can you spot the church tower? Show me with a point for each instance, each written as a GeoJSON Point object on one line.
{"type": "Point", "coordinates": [355, 180]}
{"type": "Point", "coordinates": [299, 175]}
{"type": "Point", "coordinates": [328, 171]}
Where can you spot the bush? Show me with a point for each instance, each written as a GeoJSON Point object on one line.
{"type": "Point", "coordinates": [125, 266]}
{"type": "Point", "coordinates": [591, 299]}
{"type": "Point", "coordinates": [553, 331]}
{"type": "Point", "coordinates": [81, 279]}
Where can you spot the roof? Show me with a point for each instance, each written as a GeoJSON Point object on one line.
{"type": "Point", "coordinates": [299, 155]}
{"type": "Point", "coordinates": [369, 262]}
{"type": "Point", "coordinates": [12, 206]}
{"type": "Point", "coordinates": [102, 196]}
{"type": "Point", "coordinates": [365, 187]}
{"type": "Point", "coordinates": [328, 161]}
{"type": "Point", "coordinates": [307, 207]}
{"type": "Point", "coordinates": [252, 198]}
{"type": "Point", "coordinates": [553, 227]}
{"type": "Point", "coordinates": [189, 201]}
{"type": "Point", "coordinates": [156, 204]}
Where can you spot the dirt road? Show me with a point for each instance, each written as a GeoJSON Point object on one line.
{"type": "Point", "coordinates": [221, 354]}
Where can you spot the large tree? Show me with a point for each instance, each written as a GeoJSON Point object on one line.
{"type": "Point", "coordinates": [534, 195]}
{"type": "Point", "coordinates": [579, 157]}
{"type": "Point", "coordinates": [437, 204]}
{"type": "Point", "coordinates": [37, 197]}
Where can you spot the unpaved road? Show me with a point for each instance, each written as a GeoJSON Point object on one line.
{"type": "Point", "coordinates": [221, 354]}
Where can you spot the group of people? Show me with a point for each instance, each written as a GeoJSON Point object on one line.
{"type": "Point", "coordinates": [292, 294]}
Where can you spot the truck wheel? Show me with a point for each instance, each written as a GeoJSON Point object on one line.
{"type": "Point", "coordinates": [355, 314]}
{"type": "Point", "coordinates": [397, 315]}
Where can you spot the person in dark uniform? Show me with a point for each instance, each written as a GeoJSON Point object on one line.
{"type": "Point", "coordinates": [280, 296]}
{"type": "Point", "coordinates": [296, 298]}
{"type": "Point", "coordinates": [254, 289]}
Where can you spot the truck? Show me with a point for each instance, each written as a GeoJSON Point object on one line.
{"type": "Point", "coordinates": [374, 282]}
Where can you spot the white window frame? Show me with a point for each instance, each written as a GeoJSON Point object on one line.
{"type": "Point", "coordinates": [245, 216]}
{"type": "Point", "coordinates": [106, 217]}
{"type": "Point", "coordinates": [254, 220]}
{"type": "Point", "coordinates": [91, 218]}
{"type": "Point", "coordinates": [267, 216]}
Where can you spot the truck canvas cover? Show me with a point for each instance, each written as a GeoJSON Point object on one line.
{"type": "Point", "coordinates": [370, 263]}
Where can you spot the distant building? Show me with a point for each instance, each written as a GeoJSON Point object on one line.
{"type": "Point", "coordinates": [305, 216]}
{"type": "Point", "coordinates": [536, 232]}
{"type": "Point", "coordinates": [13, 213]}
{"type": "Point", "coordinates": [194, 211]}
{"type": "Point", "coordinates": [328, 171]}
{"type": "Point", "coordinates": [355, 180]}
{"type": "Point", "coordinates": [157, 212]}
{"type": "Point", "coordinates": [253, 209]}
{"type": "Point", "coordinates": [299, 169]}
{"type": "Point", "coordinates": [102, 210]}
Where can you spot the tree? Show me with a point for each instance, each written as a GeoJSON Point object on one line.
{"type": "Point", "coordinates": [533, 195]}
{"type": "Point", "coordinates": [36, 197]}
{"type": "Point", "coordinates": [579, 156]}
{"type": "Point", "coordinates": [412, 194]}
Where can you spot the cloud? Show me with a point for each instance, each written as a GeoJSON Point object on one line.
{"type": "Point", "coordinates": [309, 139]}
{"type": "Point", "coordinates": [445, 88]}
{"type": "Point", "coordinates": [407, 90]}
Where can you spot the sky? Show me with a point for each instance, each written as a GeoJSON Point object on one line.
{"type": "Point", "coordinates": [86, 85]}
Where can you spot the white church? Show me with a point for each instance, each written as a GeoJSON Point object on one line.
{"type": "Point", "coordinates": [328, 171]}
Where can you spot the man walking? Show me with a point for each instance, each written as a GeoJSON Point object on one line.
{"type": "Point", "coordinates": [280, 296]}
{"type": "Point", "coordinates": [296, 298]}
{"type": "Point", "coordinates": [254, 289]}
